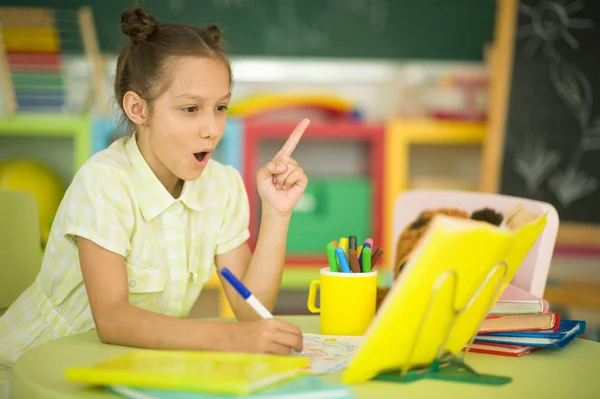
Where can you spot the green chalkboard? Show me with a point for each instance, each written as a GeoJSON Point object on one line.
{"type": "Point", "coordinates": [392, 29]}
{"type": "Point", "coordinates": [552, 136]}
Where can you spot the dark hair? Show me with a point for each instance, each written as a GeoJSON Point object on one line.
{"type": "Point", "coordinates": [143, 62]}
{"type": "Point", "coordinates": [488, 215]}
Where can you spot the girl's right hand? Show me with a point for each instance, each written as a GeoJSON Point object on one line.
{"type": "Point", "coordinates": [271, 336]}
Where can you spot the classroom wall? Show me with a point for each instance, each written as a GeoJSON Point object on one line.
{"type": "Point", "coordinates": [382, 89]}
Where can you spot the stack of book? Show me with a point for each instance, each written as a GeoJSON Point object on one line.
{"type": "Point", "coordinates": [521, 323]}
{"type": "Point", "coordinates": [171, 374]}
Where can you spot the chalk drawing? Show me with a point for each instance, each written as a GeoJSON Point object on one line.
{"type": "Point", "coordinates": [591, 136]}
{"type": "Point", "coordinates": [574, 88]}
{"type": "Point", "coordinates": [375, 12]}
{"type": "Point", "coordinates": [534, 163]}
{"type": "Point", "coordinates": [289, 34]}
{"type": "Point", "coordinates": [571, 185]}
{"type": "Point", "coordinates": [551, 21]}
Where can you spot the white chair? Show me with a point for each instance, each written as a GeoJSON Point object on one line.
{"type": "Point", "coordinates": [532, 273]}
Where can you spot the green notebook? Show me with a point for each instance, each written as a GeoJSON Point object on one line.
{"type": "Point", "coordinates": [308, 387]}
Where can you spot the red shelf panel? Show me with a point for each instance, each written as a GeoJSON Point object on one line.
{"type": "Point", "coordinates": [371, 133]}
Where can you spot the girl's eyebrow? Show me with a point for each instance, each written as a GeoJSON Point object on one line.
{"type": "Point", "coordinates": [198, 97]}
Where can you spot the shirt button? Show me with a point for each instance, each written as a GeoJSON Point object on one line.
{"type": "Point", "coordinates": [132, 283]}
{"type": "Point", "coordinates": [178, 207]}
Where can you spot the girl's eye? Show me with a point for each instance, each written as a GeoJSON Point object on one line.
{"type": "Point", "coordinates": [222, 108]}
{"type": "Point", "coordinates": [191, 108]}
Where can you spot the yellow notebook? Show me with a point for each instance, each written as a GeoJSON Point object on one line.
{"type": "Point", "coordinates": [215, 372]}
{"type": "Point", "coordinates": [471, 249]}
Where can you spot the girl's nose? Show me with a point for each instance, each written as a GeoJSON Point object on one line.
{"type": "Point", "coordinates": [209, 128]}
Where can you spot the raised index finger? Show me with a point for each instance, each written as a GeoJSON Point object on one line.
{"type": "Point", "coordinates": [290, 145]}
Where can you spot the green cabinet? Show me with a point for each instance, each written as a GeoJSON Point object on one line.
{"type": "Point", "coordinates": [328, 210]}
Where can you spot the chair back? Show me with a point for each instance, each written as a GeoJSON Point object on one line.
{"type": "Point", "coordinates": [20, 244]}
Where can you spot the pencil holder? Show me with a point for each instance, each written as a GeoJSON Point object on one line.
{"type": "Point", "coordinates": [347, 301]}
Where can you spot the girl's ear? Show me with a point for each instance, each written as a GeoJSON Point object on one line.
{"type": "Point", "coordinates": [136, 108]}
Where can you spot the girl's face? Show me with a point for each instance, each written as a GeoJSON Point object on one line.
{"type": "Point", "coordinates": [187, 121]}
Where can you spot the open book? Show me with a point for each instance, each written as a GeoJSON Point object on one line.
{"type": "Point", "coordinates": [455, 260]}
{"type": "Point", "coordinates": [328, 353]}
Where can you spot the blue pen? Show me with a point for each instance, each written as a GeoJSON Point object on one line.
{"type": "Point", "coordinates": [365, 245]}
{"type": "Point", "coordinates": [341, 255]}
{"type": "Point", "coordinates": [246, 294]}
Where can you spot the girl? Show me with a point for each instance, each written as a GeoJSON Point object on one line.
{"type": "Point", "coordinates": [144, 222]}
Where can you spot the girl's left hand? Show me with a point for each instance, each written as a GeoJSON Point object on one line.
{"type": "Point", "coordinates": [281, 182]}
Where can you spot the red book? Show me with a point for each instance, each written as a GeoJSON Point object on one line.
{"type": "Point", "coordinates": [502, 349]}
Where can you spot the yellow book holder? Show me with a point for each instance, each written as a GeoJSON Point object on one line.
{"type": "Point", "coordinates": [429, 319]}
{"type": "Point", "coordinates": [447, 366]}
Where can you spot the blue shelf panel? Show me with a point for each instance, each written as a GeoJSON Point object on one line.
{"type": "Point", "coordinates": [229, 151]}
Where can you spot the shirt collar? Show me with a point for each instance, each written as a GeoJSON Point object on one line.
{"type": "Point", "coordinates": [153, 197]}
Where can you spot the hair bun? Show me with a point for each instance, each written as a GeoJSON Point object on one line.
{"type": "Point", "coordinates": [214, 33]}
{"type": "Point", "coordinates": [137, 23]}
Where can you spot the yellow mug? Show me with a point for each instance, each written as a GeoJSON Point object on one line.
{"type": "Point", "coordinates": [348, 301]}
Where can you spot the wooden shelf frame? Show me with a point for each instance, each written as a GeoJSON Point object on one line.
{"type": "Point", "coordinates": [52, 125]}
{"type": "Point", "coordinates": [372, 134]}
{"type": "Point", "coordinates": [400, 135]}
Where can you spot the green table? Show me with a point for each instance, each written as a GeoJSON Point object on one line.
{"type": "Point", "coordinates": [571, 372]}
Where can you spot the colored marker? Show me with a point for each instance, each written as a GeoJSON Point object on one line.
{"type": "Point", "coordinates": [366, 266]}
{"type": "Point", "coordinates": [375, 257]}
{"type": "Point", "coordinates": [358, 251]}
{"type": "Point", "coordinates": [353, 261]}
{"type": "Point", "coordinates": [333, 264]}
{"type": "Point", "coordinates": [335, 245]}
{"type": "Point", "coordinates": [352, 241]}
{"type": "Point", "coordinates": [344, 244]}
{"type": "Point", "coordinates": [369, 241]}
{"type": "Point", "coordinates": [342, 260]}
{"type": "Point", "coordinates": [360, 257]}
{"type": "Point", "coordinates": [246, 294]}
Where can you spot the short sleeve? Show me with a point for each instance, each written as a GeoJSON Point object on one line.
{"type": "Point", "coordinates": [99, 209]}
{"type": "Point", "coordinates": [235, 227]}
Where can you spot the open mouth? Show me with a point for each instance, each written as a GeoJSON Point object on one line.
{"type": "Point", "coordinates": [201, 155]}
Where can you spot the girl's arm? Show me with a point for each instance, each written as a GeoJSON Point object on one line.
{"type": "Point", "coordinates": [260, 272]}
{"type": "Point", "coordinates": [120, 323]}
{"type": "Point", "coordinates": [280, 184]}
